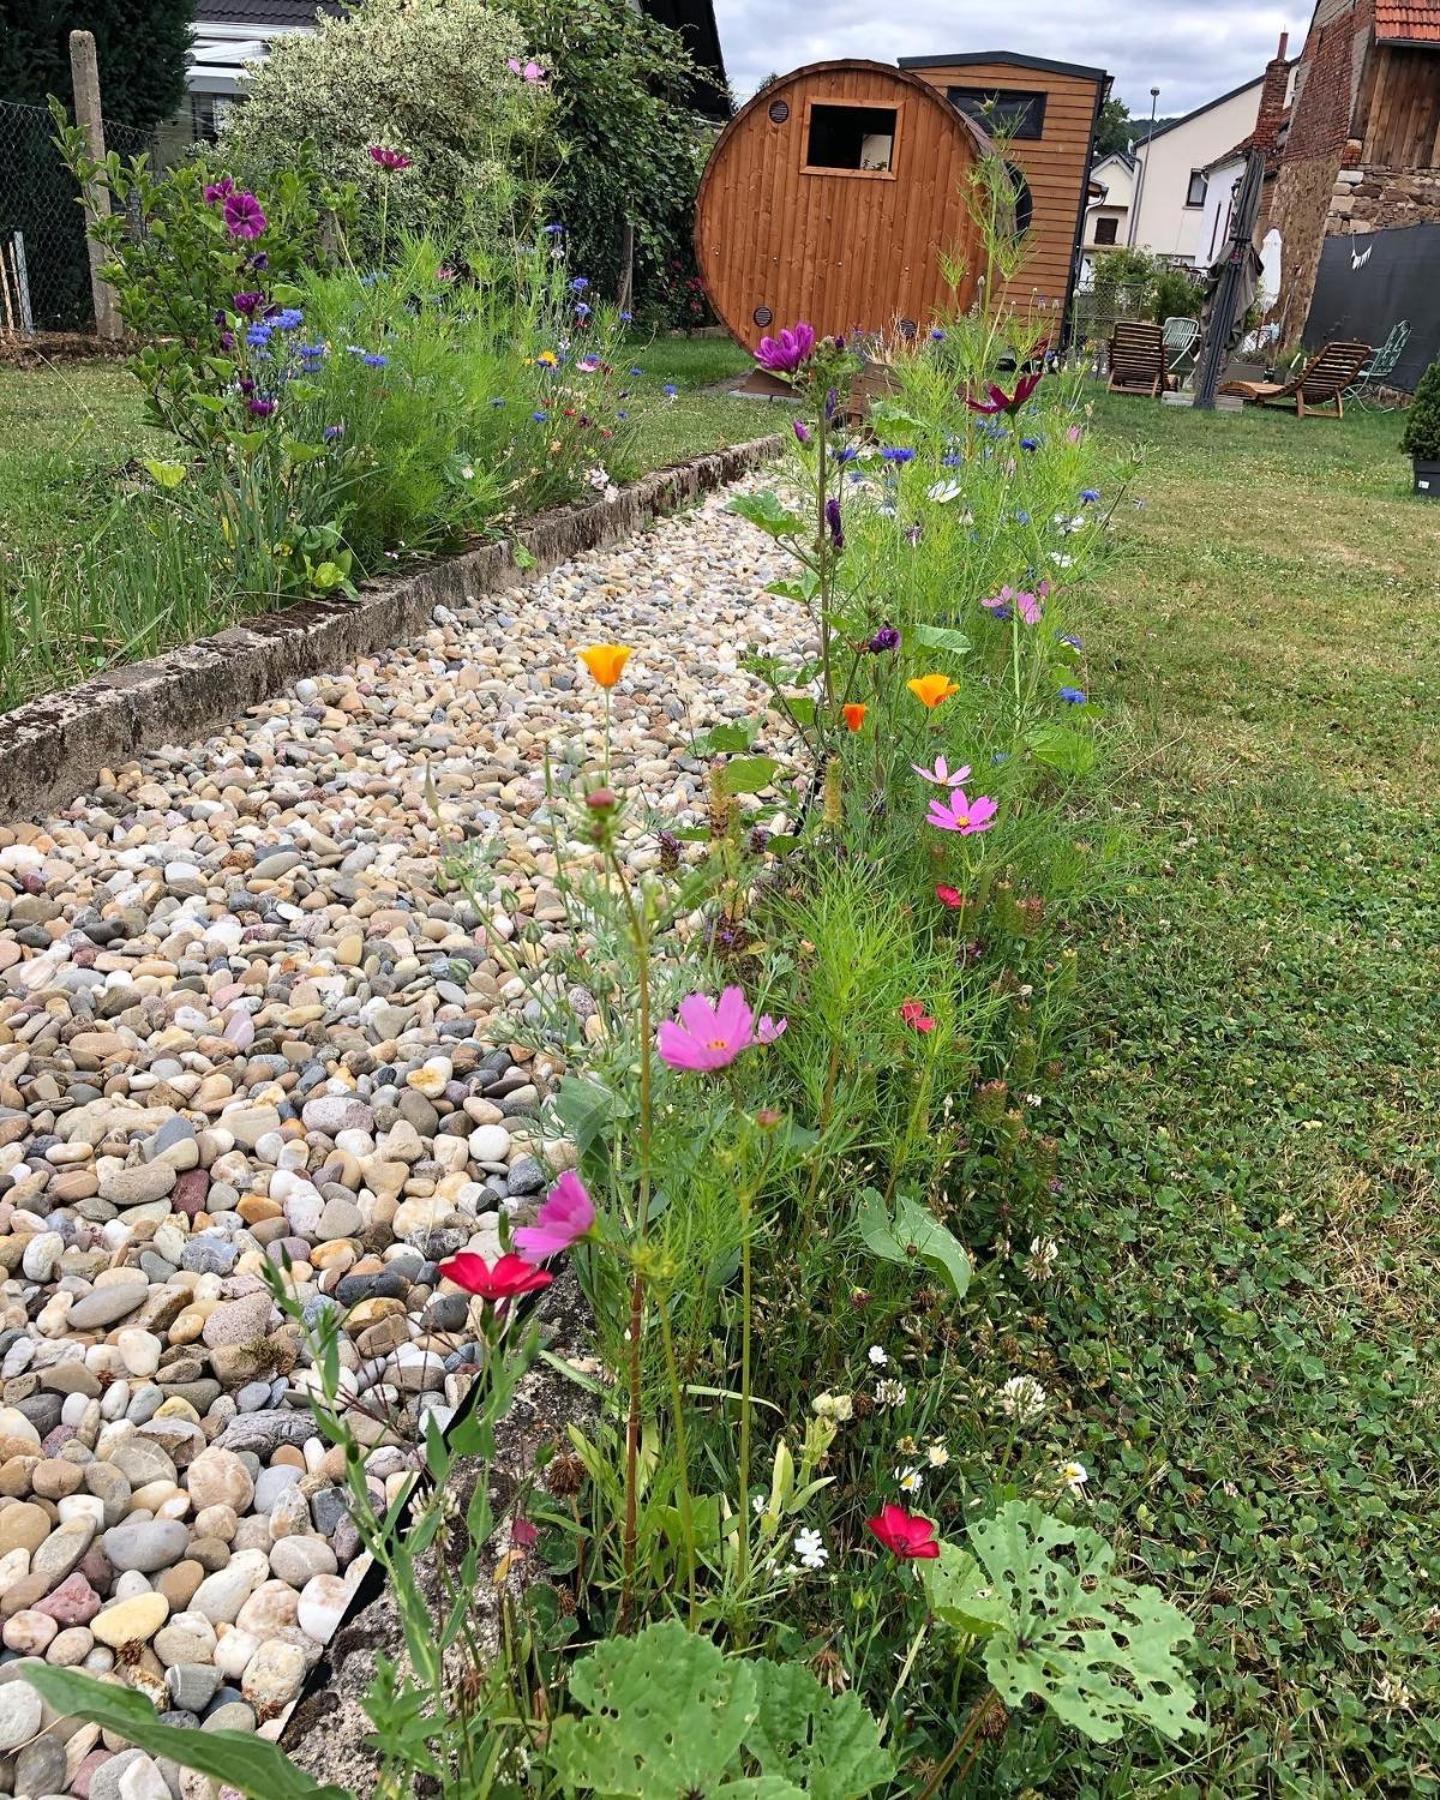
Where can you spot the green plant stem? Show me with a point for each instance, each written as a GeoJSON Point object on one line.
{"type": "Point", "coordinates": [972, 1725]}
{"type": "Point", "coordinates": [742, 1559]}
{"type": "Point", "coordinates": [682, 1451]}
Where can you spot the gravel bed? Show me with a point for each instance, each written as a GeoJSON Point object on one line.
{"type": "Point", "coordinates": [239, 1021]}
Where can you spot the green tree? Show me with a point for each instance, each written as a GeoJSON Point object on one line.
{"type": "Point", "coordinates": [630, 144]}
{"type": "Point", "coordinates": [1114, 130]}
{"type": "Point", "coordinates": [140, 46]}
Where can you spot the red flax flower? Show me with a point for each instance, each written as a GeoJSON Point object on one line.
{"type": "Point", "coordinates": [998, 401]}
{"type": "Point", "coordinates": [914, 1014]}
{"type": "Point", "coordinates": [510, 1277]}
{"type": "Point", "coordinates": [904, 1534]}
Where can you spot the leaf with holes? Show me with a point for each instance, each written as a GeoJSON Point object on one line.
{"type": "Point", "coordinates": [1097, 1648]}
{"type": "Point", "coordinates": [827, 1743]}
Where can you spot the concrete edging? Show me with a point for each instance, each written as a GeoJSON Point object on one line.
{"type": "Point", "coordinates": [52, 748]}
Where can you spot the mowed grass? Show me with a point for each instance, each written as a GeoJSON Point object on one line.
{"type": "Point", "coordinates": [1250, 1339]}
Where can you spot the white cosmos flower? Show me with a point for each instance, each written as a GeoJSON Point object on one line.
{"type": "Point", "coordinates": [810, 1549]}
{"type": "Point", "coordinates": [943, 492]}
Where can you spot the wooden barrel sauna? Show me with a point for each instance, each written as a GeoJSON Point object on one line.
{"type": "Point", "coordinates": [833, 195]}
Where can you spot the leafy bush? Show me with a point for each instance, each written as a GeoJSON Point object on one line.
{"type": "Point", "coordinates": [1176, 294]}
{"type": "Point", "coordinates": [428, 79]}
{"type": "Point", "coordinates": [1422, 421]}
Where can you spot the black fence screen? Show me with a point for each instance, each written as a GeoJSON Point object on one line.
{"type": "Point", "coordinates": [1367, 285]}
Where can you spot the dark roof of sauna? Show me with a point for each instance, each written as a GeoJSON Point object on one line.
{"type": "Point", "coordinates": [1011, 58]}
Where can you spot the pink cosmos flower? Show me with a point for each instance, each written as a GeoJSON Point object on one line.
{"type": "Point", "coordinates": [566, 1215]}
{"type": "Point", "coordinates": [711, 1034]}
{"type": "Point", "coordinates": [1026, 604]}
{"type": "Point", "coordinates": [530, 71]}
{"type": "Point", "coordinates": [244, 216]}
{"type": "Point", "coordinates": [998, 401]}
{"type": "Point", "coordinates": [389, 160]}
{"type": "Point", "coordinates": [957, 813]}
{"type": "Point", "coordinates": [1029, 608]}
{"type": "Point", "coordinates": [1075, 434]}
{"type": "Point", "coordinates": [941, 776]}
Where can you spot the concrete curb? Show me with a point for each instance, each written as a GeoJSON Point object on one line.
{"type": "Point", "coordinates": [53, 748]}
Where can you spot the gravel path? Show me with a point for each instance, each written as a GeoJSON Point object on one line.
{"type": "Point", "coordinates": [237, 1019]}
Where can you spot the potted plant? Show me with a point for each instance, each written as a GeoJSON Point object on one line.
{"type": "Point", "coordinates": [1422, 433]}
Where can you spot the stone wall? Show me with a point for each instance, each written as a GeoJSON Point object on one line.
{"type": "Point", "coordinates": [1378, 199]}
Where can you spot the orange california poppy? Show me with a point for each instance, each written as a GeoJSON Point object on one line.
{"type": "Point", "coordinates": [930, 690]}
{"type": "Point", "coordinates": [854, 714]}
{"type": "Point", "coordinates": [606, 662]}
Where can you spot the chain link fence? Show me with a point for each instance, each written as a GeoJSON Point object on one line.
{"type": "Point", "coordinates": [46, 284]}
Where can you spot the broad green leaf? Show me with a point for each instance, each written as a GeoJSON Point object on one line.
{"type": "Point", "coordinates": [167, 474]}
{"type": "Point", "coordinates": [770, 513]}
{"type": "Point", "coordinates": [724, 740]}
{"type": "Point", "coordinates": [748, 774]}
{"type": "Point", "coordinates": [1061, 749]}
{"type": "Point", "coordinates": [258, 1769]}
{"type": "Point", "coordinates": [1098, 1649]}
{"type": "Point", "coordinates": [664, 1713]}
{"type": "Point", "coordinates": [585, 1109]}
{"type": "Point", "coordinates": [962, 1595]}
{"type": "Point", "coordinates": [940, 637]}
{"type": "Point", "coordinates": [801, 707]}
{"type": "Point", "coordinates": [805, 587]}
{"type": "Point", "coordinates": [827, 1744]}
{"type": "Point", "coordinates": [914, 1234]}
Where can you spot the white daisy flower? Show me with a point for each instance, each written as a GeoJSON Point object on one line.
{"type": "Point", "coordinates": [810, 1549]}
{"type": "Point", "coordinates": [909, 1481]}
{"type": "Point", "coordinates": [1073, 1475]}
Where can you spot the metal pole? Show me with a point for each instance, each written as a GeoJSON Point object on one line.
{"type": "Point", "coordinates": [1216, 348]}
{"type": "Point", "coordinates": [22, 284]}
{"type": "Point", "coordinates": [85, 79]}
{"type": "Point", "coordinates": [1140, 175]}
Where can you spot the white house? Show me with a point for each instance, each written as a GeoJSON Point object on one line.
{"type": "Point", "coordinates": [1107, 215]}
{"type": "Point", "coordinates": [1172, 180]}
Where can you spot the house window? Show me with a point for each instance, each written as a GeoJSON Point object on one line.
{"type": "Point", "coordinates": [1199, 182]}
{"type": "Point", "coordinates": [1106, 230]}
{"type": "Point", "coordinates": [1007, 110]}
{"type": "Point", "coordinates": [857, 138]}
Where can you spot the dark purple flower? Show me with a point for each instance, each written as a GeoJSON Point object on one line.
{"type": "Point", "coordinates": [785, 354]}
{"type": "Point", "coordinates": [248, 304]}
{"type": "Point", "coordinates": [886, 638]}
{"type": "Point", "coordinates": [832, 519]}
{"type": "Point", "coordinates": [259, 262]}
{"type": "Point", "coordinates": [247, 386]}
{"type": "Point", "coordinates": [244, 216]}
{"type": "Point", "coordinates": [262, 407]}
{"type": "Point", "coordinates": [219, 190]}
{"type": "Point", "coordinates": [801, 430]}
{"type": "Point", "coordinates": [913, 534]}
{"type": "Point", "coordinates": [331, 432]}
{"type": "Point", "coordinates": [998, 401]}
{"type": "Point", "coordinates": [389, 160]}
{"type": "Point", "coordinates": [227, 340]}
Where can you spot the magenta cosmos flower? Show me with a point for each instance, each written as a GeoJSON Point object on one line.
{"type": "Point", "coordinates": [392, 160]}
{"type": "Point", "coordinates": [783, 355]}
{"type": "Point", "coordinates": [957, 813]}
{"type": "Point", "coordinates": [998, 401]}
{"type": "Point", "coordinates": [710, 1034]}
{"type": "Point", "coordinates": [941, 776]}
{"type": "Point", "coordinates": [244, 216]}
{"type": "Point", "coordinates": [565, 1217]}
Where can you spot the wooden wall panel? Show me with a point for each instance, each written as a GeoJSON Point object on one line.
{"type": "Point", "coordinates": [844, 249]}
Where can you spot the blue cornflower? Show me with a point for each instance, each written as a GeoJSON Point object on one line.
{"type": "Point", "coordinates": [1029, 443]}
{"type": "Point", "coordinates": [1073, 696]}
{"type": "Point", "coordinates": [579, 284]}
{"type": "Point", "coordinates": [626, 317]}
{"type": "Point", "coordinates": [1021, 516]}
{"type": "Point", "coordinates": [582, 311]}
{"type": "Point", "coordinates": [289, 318]}
{"type": "Point", "coordinates": [553, 230]}
{"type": "Point", "coordinates": [846, 453]}
{"type": "Point", "coordinates": [937, 336]}
{"type": "Point", "coordinates": [540, 418]}
{"type": "Point", "coordinates": [670, 389]}
{"type": "Point", "coordinates": [637, 370]}
{"type": "Point", "coordinates": [952, 461]}
{"type": "Point", "coordinates": [1089, 496]}
{"type": "Point", "coordinates": [898, 456]}
{"type": "Point", "coordinates": [312, 351]}
{"type": "Point", "coordinates": [373, 360]}
{"type": "Point", "coordinates": [331, 432]}
{"type": "Point", "coordinates": [257, 335]}
{"type": "Point", "coordinates": [622, 415]}
{"type": "Point", "coordinates": [1069, 637]}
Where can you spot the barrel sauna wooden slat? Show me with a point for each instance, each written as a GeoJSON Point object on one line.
{"type": "Point", "coordinates": [844, 247]}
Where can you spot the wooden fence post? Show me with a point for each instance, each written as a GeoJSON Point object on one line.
{"type": "Point", "coordinates": [85, 79]}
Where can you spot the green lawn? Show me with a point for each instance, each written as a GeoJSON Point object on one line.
{"type": "Point", "coordinates": [1250, 1341]}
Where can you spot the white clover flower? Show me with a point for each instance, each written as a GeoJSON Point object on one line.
{"type": "Point", "coordinates": [1073, 1475]}
{"type": "Point", "coordinates": [1392, 1691]}
{"type": "Point", "coordinates": [937, 1455]}
{"type": "Point", "coordinates": [467, 473]}
{"type": "Point", "coordinates": [909, 1481]}
{"type": "Point", "coordinates": [810, 1549]}
{"type": "Point", "coordinates": [890, 1393]}
{"type": "Point", "coordinates": [1060, 560]}
{"type": "Point", "coordinates": [1021, 1397]}
{"type": "Point", "coordinates": [878, 1355]}
{"type": "Point", "coordinates": [1041, 1260]}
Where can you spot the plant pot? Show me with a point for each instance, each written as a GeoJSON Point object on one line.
{"type": "Point", "coordinates": [1427, 477]}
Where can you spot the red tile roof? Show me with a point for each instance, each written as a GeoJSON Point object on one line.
{"type": "Point", "coordinates": [1407, 21]}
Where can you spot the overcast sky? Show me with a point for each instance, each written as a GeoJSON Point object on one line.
{"type": "Point", "coordinates": [1190, 52]}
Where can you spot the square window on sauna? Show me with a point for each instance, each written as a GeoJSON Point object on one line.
{"type": "Point", "coordinates": [859, 138]}
{"type": "Point", "coordinates": [1010, 112]}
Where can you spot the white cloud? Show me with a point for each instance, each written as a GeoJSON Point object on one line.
{"type": "Point", "coordinates": [1190, 52]}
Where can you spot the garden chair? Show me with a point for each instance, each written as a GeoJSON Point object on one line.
{"type": "Point", "coordinates": [1322, 382]}
{"type": "Point", "coordinates": [1381, 366]}
{"type": "Point", "coordinates": [1182, 341]}
{"type": "Point", "coordinates": [1137, 358]}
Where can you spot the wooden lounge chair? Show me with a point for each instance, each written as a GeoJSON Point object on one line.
{"type": "Point", "coordinates": [1137, 358]}
{"type": "Point", "coordinates": [1322, 382]}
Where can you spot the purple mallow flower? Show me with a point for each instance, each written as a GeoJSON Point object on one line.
{"type": "Point", "coordinates": [886, 638]}
{"type": "Point", "coordinates": [261, 406]}
{"type": "Point", "coordinates": [784, 354]}
{"type": "Point", "coordinates": [244, 216]}
{"type": "Point", "coordinates": [248, 304]}
{"type": "Point", "coordinates": [832, 519]}
{"type": "Point", "coordinates": [219, 190]}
